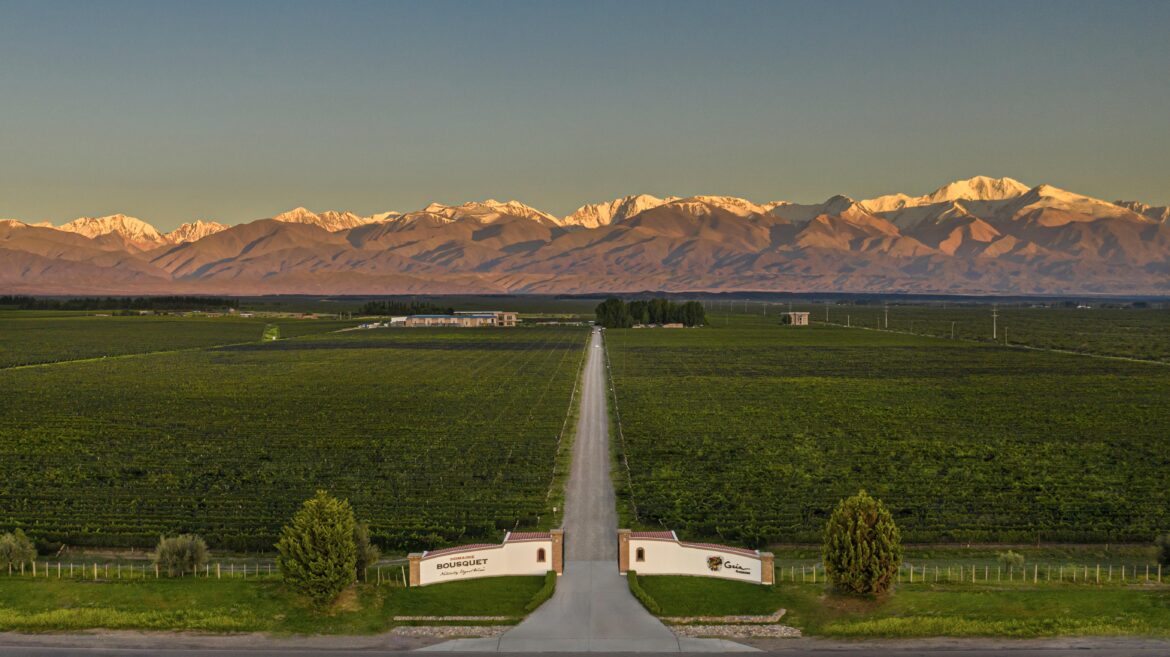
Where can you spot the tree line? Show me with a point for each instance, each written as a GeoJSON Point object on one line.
{"type": "Point", "coordinates": [616, 313]}
{"type": "Point", "coordinates": [403, 308]}
{"type": "Point", "coordinates": [20, 302]}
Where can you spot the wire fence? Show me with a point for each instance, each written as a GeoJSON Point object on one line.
{"type": "Point", "coordinates": [391, 572]}
{"type": "Point", "coordinates": [983, 573]}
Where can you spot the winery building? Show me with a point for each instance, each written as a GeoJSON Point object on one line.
{"type": "Point", "coordinates": [465, 319]}
{"type": "Point", "coordinates": [794, 319]}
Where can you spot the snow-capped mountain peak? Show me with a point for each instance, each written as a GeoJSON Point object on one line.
{"type": "Point", "coordinates": [979, 188]}
{"type": "Point", "coordinates": [330, 220]}
{"type": "Point", "coordinates": [732, 204]}
{"type": "Point", "coordinates": [194, 231]}
{"type": "Point", "coordinates": [133, 230]}
{"type": "Point", "coordinates": [616, 211]}
{"type": "Point", "coordinates": [1159, 214]}
{"type": "Point", "coordinates": [487, 211]}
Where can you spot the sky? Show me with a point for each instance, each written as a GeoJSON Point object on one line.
{"type": "Point", "coordinates": [175, 111]}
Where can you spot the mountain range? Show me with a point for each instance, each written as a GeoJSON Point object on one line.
{"type": "Point", "coordinates": [977, 236]}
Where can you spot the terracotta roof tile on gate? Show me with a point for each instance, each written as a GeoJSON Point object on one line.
{"type": "Point", "coordinates": [724, 548]}
{"type": "Point", "coordinates": [528, 536]}
{"type": "Point", "coordinates": [459, 548]}
{"type": "Point", "coordinates": [666, 535]}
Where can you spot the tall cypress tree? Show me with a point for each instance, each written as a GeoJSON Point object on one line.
{"type": "Point", "coordinates": [318, 556]}
{"type": "Point", "coordinates": [863, 547]}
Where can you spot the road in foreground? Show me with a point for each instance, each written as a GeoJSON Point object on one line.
{"type": "Point", "coordinates": [140, 644]}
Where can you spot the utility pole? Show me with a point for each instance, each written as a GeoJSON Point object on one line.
{"type": "Point", "coordinates": [994, 322]}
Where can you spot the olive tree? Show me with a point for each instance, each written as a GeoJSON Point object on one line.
{"type": "Point", "coordinates": [15, 549]}
{"type": "Point", "coordinates": [184, 553]}
{"type": "Point", "coordinates": [863, 547]}
{"type": "Point", "coordinates": [318, 555]}
{"type": "Point", "coordinates": [1011, 559]}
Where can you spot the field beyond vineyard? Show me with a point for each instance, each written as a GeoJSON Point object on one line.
{"type": "Point", "coordinates": [435, 436]}
{"type": "Point", "coordinates": [34, 337]}
{"type": "Point", "coordinates": [750, 432]}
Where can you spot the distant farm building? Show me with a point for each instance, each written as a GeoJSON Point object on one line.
{"type": "Point", "coordinates": [502, 317]}
{"type": "Point", "coordinates": [794, 319]}
{"type": "Point", "coordinates": [466, 319]}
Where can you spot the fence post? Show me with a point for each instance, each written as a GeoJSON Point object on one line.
{"type": "Point", "coordinates": [58, 570]}
{"type": "Point", "coordinates": [1035, 573]}
{"type": "Point", "coordinates": [34, 568]}
{"type": "Point", "coordinates": [1098, 573]}
{"type": "Point", "coordinates": [1159, 573]}
{"type": "Point", "coordinates": [156, 571]}
{"type": "Point", "coordinates": [95, 572]}
{"type": "Point", "coordinates": [217, 573]}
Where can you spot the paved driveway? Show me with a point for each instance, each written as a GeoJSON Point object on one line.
{"type": "Point", "coordinates": [592, 609]}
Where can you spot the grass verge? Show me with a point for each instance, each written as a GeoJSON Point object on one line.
{"type": "Point", "coordinates": [929, 610]}
{"type": "Point", "coordinates": [246, 606]}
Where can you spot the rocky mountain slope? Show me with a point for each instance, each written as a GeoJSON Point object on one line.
{"type": "Point", "coordinates": [982, 235]}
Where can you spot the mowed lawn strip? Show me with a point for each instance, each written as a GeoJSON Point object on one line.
{"type": "Point", "coordinates": [247, 606]}
{"type": "Point", "coordinates": [928, 610]}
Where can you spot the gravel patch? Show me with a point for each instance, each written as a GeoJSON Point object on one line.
{"type": "Point", "coordinates": [448, 619]}
{"type": "Point", "coordinates": [738, 631]}
{"type": "Point", "coordinates": [451, 631]}
{"type": "Point", "coordinates": [726, 620]}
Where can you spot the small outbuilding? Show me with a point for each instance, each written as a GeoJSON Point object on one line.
{"type": "Point", "coordinates": [794, 319]}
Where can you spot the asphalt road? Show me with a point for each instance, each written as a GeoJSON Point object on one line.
{"type": "Point", "coordinates": [975, 648]}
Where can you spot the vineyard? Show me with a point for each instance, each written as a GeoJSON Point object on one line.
{"type": "Point", "coordinates": [752, 432]}
{"type": "Point", "coordinates": [31, 337]}
{"type": "Point", "coordinates": [435, 436]}
{"type": "Point", "coordinates": [1142, 333]}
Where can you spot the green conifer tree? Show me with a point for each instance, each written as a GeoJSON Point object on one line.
{"type": "Point", "coordinates": [863, 547]}
{"type": "Point", "coordinates": [318, 556]}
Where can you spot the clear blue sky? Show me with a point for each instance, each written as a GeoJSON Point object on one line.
{"type": "Point", "coordinates": [172, 111]}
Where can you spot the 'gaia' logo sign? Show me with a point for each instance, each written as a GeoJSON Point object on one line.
{"type": "Point", "coordinates": [716, 563]}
